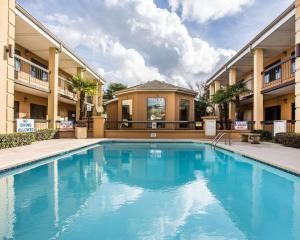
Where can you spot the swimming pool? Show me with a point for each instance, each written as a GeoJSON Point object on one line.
{"type": "Point", "coordinates": [123, 190]}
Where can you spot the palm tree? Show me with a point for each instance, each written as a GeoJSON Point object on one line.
{"type": "Point", "coordinates": [235, 91]}
{"type": "Point", "coordinates": [84, 87]}
{"type": "Point", "coordinates": [221, 98]}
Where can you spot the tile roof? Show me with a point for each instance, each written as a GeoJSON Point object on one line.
{"type": "Point", "coordinates": [157, 85]}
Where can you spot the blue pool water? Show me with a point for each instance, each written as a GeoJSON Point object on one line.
{"type": "Point", "coordinates": [149, 191]}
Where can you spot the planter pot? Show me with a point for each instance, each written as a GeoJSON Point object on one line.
{"type": "Point", "coordinates": [81, 132]}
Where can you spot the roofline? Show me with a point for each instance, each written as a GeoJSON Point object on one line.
{"type": "Point", "coordinates": [249, 47]}
{"type": "Point", "coordinates": [57, 42]}
{"type": "Point", "coordinates": [118, 93]}
{"type": "Point", "coordinates": [111, 101]}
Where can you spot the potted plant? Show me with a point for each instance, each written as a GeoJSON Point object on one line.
{"type": "Point", "coordinates": [84, 87]}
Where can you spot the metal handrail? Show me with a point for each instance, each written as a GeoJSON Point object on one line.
{"type": "Point", "coordinates": [219, 136]}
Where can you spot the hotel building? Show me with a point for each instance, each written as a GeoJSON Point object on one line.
{"type": "Point", "coordinates": [270, 67]}
{"type": "Point", "coordinates": [35, 69]}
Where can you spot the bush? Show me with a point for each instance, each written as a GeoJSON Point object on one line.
{"type": "Point", "coordinates": [44, 134]}
{"type": "Point", "coordinates": [288, 139]}
{"type": "Point", "coordinates": [20, 139]}
{"type": "Point", "coordinates": [16, 139]}
{"type": "Point", "coordinates": [264, 135]}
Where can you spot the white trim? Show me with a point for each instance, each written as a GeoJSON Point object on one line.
{"type": "Point", "coordinates": [239, 57]}
{"type": "Point", "coordinates": [274, 28]}
{"type": "Point", "coordinates": [37, 28]}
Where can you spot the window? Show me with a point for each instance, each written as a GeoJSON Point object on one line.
{"type": "Point", "coordinates": [273, 113]}
{"type": "Point", "coordinates": [16, 109]}
{"type": "Point", "coordinates": [156, 110]}
{"type": "Point", "coordinates": [293, 111]}
{"type": "Point", "coordinates": [293, 63]}
{"type": "Point", "coordinates": [17, 61]}
{"type": "Point", "coordinates": [184, 109]}
{"type": "Point", "coordinates": [37, 72]}
{"type": "Point", "coordinates": [127, 110]}
{"type": "Point", "coordinates": [274, 73]}
{"type": "Point", "coordinates": [38, 111]}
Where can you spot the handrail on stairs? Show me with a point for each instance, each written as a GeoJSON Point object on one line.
{"type": "Point", "coordinates": [219, 136]}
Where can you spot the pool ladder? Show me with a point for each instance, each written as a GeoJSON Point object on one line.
{"type": "Point", "coordinates": [219, 136]}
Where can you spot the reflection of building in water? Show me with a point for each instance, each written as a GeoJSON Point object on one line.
{"type": "Point", "coordinates": [7, 208]}
{"type": "Point", "coordinates": [24, 201]}
{"type": "Point", "coordinates": [152, 168]}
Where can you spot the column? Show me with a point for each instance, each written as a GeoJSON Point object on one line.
{"type": "Point", "coordinates": [80, 72]}
{"type": "Point", "coordinates": [258, 98]}
{"type": "Point", "coordinates": [232, 81]}
{"type": "Point", "coordinates": [211, 91]}
{"type": "Point", "coordinates": [53, 87]}
{"type": "Point", "coordinates": [216, 88]}
{"type": "Point", "coordinates": [7, 42]}
{"type": "Point", "coordinates": [297, 75]}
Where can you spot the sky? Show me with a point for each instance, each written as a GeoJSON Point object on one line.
{"type": "Point", "coordinates": [134, 41]}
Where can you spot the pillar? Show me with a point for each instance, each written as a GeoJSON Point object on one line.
{"type": "Point", "coordinates": [53, 87]}
{"type": "Point", "coordinates": [80, 72]}
{"type": "Point", "coordinates": [211, 91]}
{"type": "Point", "coordinates": [216, 88]}
{"type": "Point", "coordinates": [297, 75]}
{"type": "Point", "coordinates": [98, 127]}
{"type": "Point", "coordinates": [232, 81]}
{"type": "Point", "coordinates": [7, 43]}
{"type": "Point", "coordinates": [258, 99]}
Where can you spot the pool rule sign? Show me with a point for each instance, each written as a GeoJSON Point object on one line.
{"type": "Point", "coordinates": [25, 125]}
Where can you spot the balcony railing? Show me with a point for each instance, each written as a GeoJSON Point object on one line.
{"type": "Point", "coordinates": [31, 73]}
{"type": "Point", "coordinates": [279, 73]}
{"type": "Point", "coordinates": [64, 88]}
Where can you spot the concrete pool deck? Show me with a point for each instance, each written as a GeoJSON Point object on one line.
{"type": "Point", "coordinates": [276, 155]}
{"type": "Point", "coordinates": [272, 154]}
{"type": "Point", "coordinates": [14, 157]}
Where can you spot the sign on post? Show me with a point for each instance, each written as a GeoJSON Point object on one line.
{"type": "Point", "coordinates": [210, 127]}
{"type": "Point", "coordinates": [25, 125]}
{"type": "Point", "coordinates": [241, 125]}
{"type": "Point", "coordinates": [280, 126]}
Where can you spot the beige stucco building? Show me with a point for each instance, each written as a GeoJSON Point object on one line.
{"type": "Point", "coordinates": [270, 67]}
{"type": "Point", "coordinates": [35, 68]}
{"type": "Point", "coordinates": [153, 101]}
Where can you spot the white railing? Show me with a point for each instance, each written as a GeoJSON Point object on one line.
{"type": "Point", "coordinates": [64, 88]}
{"type": "Point", "coordinates": [31, 73]}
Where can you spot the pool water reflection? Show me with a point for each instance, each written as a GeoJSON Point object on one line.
{"type": "Point", "coordinates": [150, 191]}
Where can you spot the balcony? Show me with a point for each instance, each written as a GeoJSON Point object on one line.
{"type": "Point", "coordinates": [31, 74]}
{"type": "Point", "coordinates": [65, 89]}
{"type": "Point", "coordinates": [279, 74]}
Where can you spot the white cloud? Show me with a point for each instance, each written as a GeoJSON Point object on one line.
{"type": "Point", "coordinates": [134, 41]}
{"type": "Point", "coordinates": [204, 10]}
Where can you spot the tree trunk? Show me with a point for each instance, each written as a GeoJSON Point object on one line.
{"type": "Point", "coordinates": [81, 99]}
{"type": "Point", "coordinates": [237, 108]}
{"type": "Point", "coordinates": [221, 112]}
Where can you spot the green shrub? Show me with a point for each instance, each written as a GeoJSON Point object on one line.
{"type": "Point", "coordinates": [264, 135]}
{"type": "Point", "coordinates": [288, 139]}
{"type": "Point", "coordinates": [16, 139]}
{"type": "Point", "coordinates": [44, 134]}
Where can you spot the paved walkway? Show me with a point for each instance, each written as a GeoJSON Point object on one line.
{"type": "Point", "coordinates": [270, 153]}
{"type": "Point", "coordinates": [13, 157]}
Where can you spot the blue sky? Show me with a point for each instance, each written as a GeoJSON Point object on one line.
{"type": "Point", "coordinates": [134, 41]}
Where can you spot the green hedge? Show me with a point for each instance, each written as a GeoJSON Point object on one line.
{"type": "Point", "coordinates": [20, 139]}
{"type": "Point", "coordinates": [44, 134]}
{"type": "Point", "coordinates": [264, 135]}
{"type": "Point", "coordinates": [288, 139]}
{"type": "Point", "coordinates": [16, 139]}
